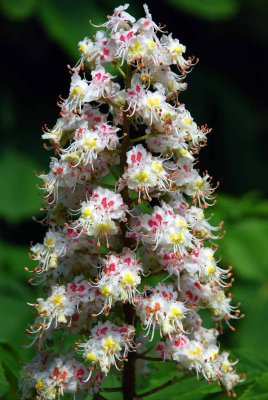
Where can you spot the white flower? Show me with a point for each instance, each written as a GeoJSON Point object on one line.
{"type": "Point", "coordinates": [109, 343]}
{"type": "Point", "coordinates": [119, 278]}
{"type": "Point", "coordinates": [161, 308]}
{"type": "Point", "coordinates": [47, 254]}
{"type": "Point", "coordinates": [53, 378]}
{"type": "Point", "coordinates": [166, 228]}
{"type": "Point", "coordinates": [99, 213]}
{"type": "Point", "coordinates": [88, 143]}
{"type": "Point", "coordinates": [144, 173]}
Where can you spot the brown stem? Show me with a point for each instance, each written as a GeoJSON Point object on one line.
{"type": "Point", "coordinates": [129, 388]}
{"type": "Point", "coordinates": [128, 383]}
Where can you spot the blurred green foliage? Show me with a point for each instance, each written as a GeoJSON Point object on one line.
{"type": "Point", "coordinates": [244, 245]}
{"type": "Point", "coordinates": [208, 9]}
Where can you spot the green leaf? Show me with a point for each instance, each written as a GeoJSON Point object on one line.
{"type": "Point", "coordinates": [245, 247]}
{"type": "Point", "coordinates": [251, 330]}
{"type": "Point", "coordinates": [13, 259]}
{"type": "Point", "coordinates": [69, 23]}
{"type": "Point", "coordinates": [231, 208]}
{"type": "Point", "coordinates": [208, 9]}
{"type": "Point", "coordinates": [251, 362]}
{"type": "Point", "coordinates": [246, 225]}
{"type": "Point", "coordinates": [19, 196]}
{"type": "Point", "coordinates": [18, 9]}
{"type": "Point", "coordinates": [258, 390]}
{"type": "Point", "coordinates": [14, 315]}
{"type": "Point", "coordinates": [9, 358]}
{"type": "Point", "coordinates": [4, 385]}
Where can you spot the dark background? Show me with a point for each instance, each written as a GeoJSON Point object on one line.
{"type": "Point", "coordinates": [227, 90]}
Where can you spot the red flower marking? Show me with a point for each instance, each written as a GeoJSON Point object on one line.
{"type": "Point", "coordinates": [80, 372]}
{"type": "Point", "coordinates": [103, 330]}
{"type": "Point", "coordinates": [73, 287]}
{"type": "Point", "coordinates": [59, 171]}
{"type": "Point", "coordinates": [130, 34]}
{"type": "Point", "coordinates": [158, 217]}
{"type": "Point", "coordinates": [98, 75]}
{"type": "Point", "coordinates": [111, 267]}
{"type": "Point", "coordinates": [139, 156]}
{"type": "Point", "coordinates": [189, 294]}
{"type": "Point", "coordinates": [104, 202]}
{"type": "Point", "coordinates": [198, 285]}
{"type": "Point", "coordinates": [160, 347]}
{"type": "Point", "coordinates": [152, 223]}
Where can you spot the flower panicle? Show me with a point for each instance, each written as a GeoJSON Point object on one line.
{"type": "Point", "coordinates": [128, 246]}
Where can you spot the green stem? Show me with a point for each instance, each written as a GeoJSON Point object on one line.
{"type": "Point", "coordinates": [144, 137]}
{"type": "Point", "coordinates": [158, 388]}
{"type": "Point", "coordinates": [164, 386]}
{"type": "Point", "coordinates": [119, 69]}
{"type": "Point", "coordinates": [146, 351]}
{"type": "Point", "coordinates": [110, 102]}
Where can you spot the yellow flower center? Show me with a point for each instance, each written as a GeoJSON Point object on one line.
{"type": "Point", "coordinates": [213, 355]}
{"type": "Point", "coordinates": [72, 157]}
{"type": "Point", "coordinates": [110, 344]}
{"type": "Point", "coordinates": [178, 50]}
{"type": "Point", "coordinates": [136, 47]}
{"type": "Point", "coordinates": [49, 241]}
{"type": "Point", "coordinates": [153, 102]}
{"type": "Point", "coordinates": [183, 153]}
{"type": "Point", "coordinates": [104, 227]}
{"type": "Point", "coordinates": [90, 357]}
{"type": "Point", "coordinates": [90, 143]}
{"type": "Point", "coordinates": [151, 44]}
{"type": "Point", "coordinates": [86, 212]}
{"type": "Point", "coordinates": [105, 291]}
{"type": "Point", "coordinates": [199, 184]}
{"type": "Point", "coordinates": [57, 300]}
{"type": "Point", "coordinates": [211, 269]}
{"type": "Point", "coordinates": [157, 167]}
{"type": "Point", "coordinates": [77, 91]}
{"type": "Point", "coordinates": [128, 278]}
{"type": "Point", "coordinates": [195, 352]}
{"type": "Point", "coordinates": [82, 48]}
{"type": "Point", "coordinates": [39, 384]}
{"type": "Point", "coordinates": [181, 223]}
{"type": "Point", "coordinates": [176, 312]}
{"type": "Point", "coordinates": [187, 121]}
{"type": "Point", "coordinates": [176, 237]}
{"type": "Point", "coordinates": [226, 366]}
{"type": "Point", "coordinates": [141, 176]}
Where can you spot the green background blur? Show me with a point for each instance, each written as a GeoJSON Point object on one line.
{"type": "Point", "coordinates": [227, 90]}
